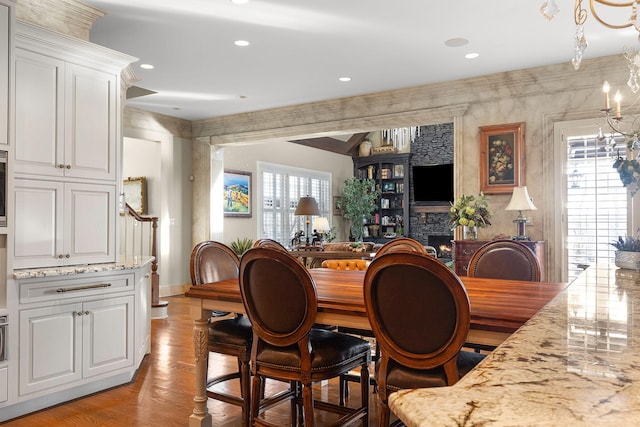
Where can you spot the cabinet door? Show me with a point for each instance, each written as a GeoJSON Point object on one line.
{"type": "Point", "coordinates": [50, 347]}
{"type": "Point", "coordinates": [107, 335]}
{"type": "Point", "coordinates": [39, 105]}
{"type": "Point", "coordinates": [90, 215]}
{"type": "Point", "coordinates": [4, 73]}
{"type": "Point", "coordinates": [90, 123]}
{"type": "Point", "coordinates": [38, 221]}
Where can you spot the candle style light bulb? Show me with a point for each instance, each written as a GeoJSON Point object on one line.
{"type": "Point", "coordinates": [605, 89]}
{"type": "Point", "coordinates": [618, 98]}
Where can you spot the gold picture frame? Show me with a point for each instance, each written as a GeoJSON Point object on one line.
{"type": "Point", "coordinates": [501, 158]}
{"type": "Point", "coordinates": [135, 194]}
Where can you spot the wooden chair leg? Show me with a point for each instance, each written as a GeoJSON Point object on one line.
{"type": "Point", "coordinates": [256, 384]}
{"type": "Point", "coordinates": [307, 402]}
{"type": "Point", "coordinates": [364, 391]}
{"type": "Point", "coordinates": [245, 392]}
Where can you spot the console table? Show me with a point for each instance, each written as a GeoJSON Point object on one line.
{"type": "Point", "coordinates": [463, 250]}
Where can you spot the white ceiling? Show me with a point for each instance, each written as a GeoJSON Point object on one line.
{"type": "Point", "coordinates": [299, 48]}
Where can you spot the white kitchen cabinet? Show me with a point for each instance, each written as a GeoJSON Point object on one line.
{"type": "Point", "coordinates": [5, 41]}
{"type": "Point", "coordinates": [66, 343]}
{"type": "Point", "coordinates": [74, 107]}
{"type": "Point", "coordinates": [62, 223]}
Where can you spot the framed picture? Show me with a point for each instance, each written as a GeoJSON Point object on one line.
{"type": "Point", "coordinates": [337, 206]}
{"type": "Point", "coordinates": [135, 194]}
{"type": "Point", "coordinates": [237, 193]}
{"type": "Point", "coordinates": [501, 158]}
{"type": "Point", "coordinates": [388, 187]}
{"type": "Point", "coordinates": [398, 171]}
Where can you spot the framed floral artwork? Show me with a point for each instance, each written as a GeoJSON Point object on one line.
{"type": "Point", "coordinates": [501, 158]}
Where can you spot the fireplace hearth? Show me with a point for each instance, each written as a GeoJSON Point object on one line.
{"type": "Point", "coordinates": [442, 244]}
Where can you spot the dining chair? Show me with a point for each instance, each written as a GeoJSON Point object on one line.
{"type": "Point", "coordinates": [505, 259]}
{"type": "Point", "coordinates": [419, 312]}
{"type": "Point", "coordinates": [285, 344]}
{"type": "Point", "coordinates": [401, 244]}
{"type": "Point", "coordinates": [212, 262]}
{"type": "Point", "coordinates": [269, 243]}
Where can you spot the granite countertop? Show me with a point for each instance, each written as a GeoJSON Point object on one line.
{"type": "Point", "coordinates": [576, 363]}
{"type": "Point", "coordinates": [79, 269]}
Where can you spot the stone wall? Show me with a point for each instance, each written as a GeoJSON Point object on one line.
{"type": "Point", "coordinates": [434, 146]}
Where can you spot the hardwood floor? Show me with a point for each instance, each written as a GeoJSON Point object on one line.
{"type": "Point", "coordinates": [161, 393]}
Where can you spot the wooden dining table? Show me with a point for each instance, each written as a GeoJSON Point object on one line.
{"type": "Point", "coordinates": [498, 308]}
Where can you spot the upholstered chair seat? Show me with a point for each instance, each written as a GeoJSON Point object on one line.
{"type": "Point", "coordinates": [346, 264]}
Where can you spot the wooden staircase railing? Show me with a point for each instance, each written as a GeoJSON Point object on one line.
{"type": "Point", "coordinates": [155, 278]}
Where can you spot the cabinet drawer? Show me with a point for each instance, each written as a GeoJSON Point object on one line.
{"type": "Point", "coordinates": [38, 290]}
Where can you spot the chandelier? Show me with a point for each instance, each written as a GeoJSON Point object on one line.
{"type": "Point", "coordinates": [400, 138]}
{"type": "Point", "coordinates": [550, 9]}
{"type": "Point", "coordinates": [628, 168]}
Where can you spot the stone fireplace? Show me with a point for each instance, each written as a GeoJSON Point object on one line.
{"type": "Point", "coordinates": [443, 246]}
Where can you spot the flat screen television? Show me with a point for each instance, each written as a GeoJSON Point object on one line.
{"type": "Point", "coordinates": [433, 184]}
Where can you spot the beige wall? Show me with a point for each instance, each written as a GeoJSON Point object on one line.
{"type": "Point", "coordinates": [245, 158]}
{"type": "Point", "coordinates": [539, 97]}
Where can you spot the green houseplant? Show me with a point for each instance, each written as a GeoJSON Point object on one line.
{"type": "Point", "coordinates": [359, 199]}
{"type": "Point", "coordinates": [240, 246]}
{"type": "Point", "coordinates": [628, 252]}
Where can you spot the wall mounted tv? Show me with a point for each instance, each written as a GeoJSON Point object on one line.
{"type": "Point", "coordinates": [433, 184]}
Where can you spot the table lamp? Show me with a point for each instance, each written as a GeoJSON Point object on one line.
{"type": "Point", "coordinates": [307, 206]}
{"type": "Point", "coordinates": [321, 226]}
{"type": "Point", "coordinates": [520, 201]}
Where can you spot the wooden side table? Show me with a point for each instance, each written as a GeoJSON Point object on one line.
{"type": "Point", "coordinates": [463, 250]}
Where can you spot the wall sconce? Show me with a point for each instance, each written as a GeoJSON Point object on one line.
{"type": "Point", "coordinates": [423, 217]}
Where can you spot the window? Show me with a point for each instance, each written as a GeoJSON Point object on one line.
{"type": "Point", "coordinates": [281, 188]}
{"type": "Point", "coordinates": [596, 201]}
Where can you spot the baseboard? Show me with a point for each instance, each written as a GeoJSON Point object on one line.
{"type": "Point", "coordinates": [167, 291]}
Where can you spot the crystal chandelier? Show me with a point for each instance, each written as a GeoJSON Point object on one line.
{"type": "Point", "coordinates": [550, 9]}
{"type": "Point", "coordinates": [400, 137]}
{"type": "Point", "coordinates": [628, 168]}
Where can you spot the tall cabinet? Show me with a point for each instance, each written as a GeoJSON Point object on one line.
{"type": "Point", "coordinates": [78, 320]}
{"type": "Point", "coordinates": [391, 175]}
{"type": "Point", "coordinates": [65, 167]}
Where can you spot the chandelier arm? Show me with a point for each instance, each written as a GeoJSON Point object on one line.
{"type": "Point", "coordinates": [615, 128]}
{"type": "Point", "coordinates": [595, 14]}
{"type": "Point", "coordinates": [580, 14]}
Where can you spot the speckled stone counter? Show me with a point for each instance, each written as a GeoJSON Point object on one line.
{"type": "Point", "coordinates": [77, 269]}
{"type": "Point", "coordinates": [576, 363]}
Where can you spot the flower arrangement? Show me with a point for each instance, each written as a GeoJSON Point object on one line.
{"type": "Point", "coordinates": [627, 244]}
{"type": "Point", "coordinates": [629, 171]}
{"type": "Point", "coordinates": [471, 211]}
{"type": "Point", "coordinates": [500, 161]}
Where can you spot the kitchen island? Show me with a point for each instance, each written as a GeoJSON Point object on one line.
{"type": "Point", "coordinates": [576, 363]}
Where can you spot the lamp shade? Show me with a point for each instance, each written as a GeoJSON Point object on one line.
{"type": "Point", "coordinates": [307, 206]}
{"type": "Point", "coordinates": [520, 201]}
{"type": "Point", "coordinates": [321, 224]}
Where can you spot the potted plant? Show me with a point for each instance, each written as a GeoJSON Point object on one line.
{"type": "Point", "coordinates": [470, 212]}
{"type": "Point", "coordinates": [240, 246]}
{"type": "Point", "coordinates": [359, 200]}
{"type": "Point", "coordinates": [628, 252]}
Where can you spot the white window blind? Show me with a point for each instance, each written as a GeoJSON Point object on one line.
{"type": "Point", "coordinates": [282, 186]}
{"type": "Point", "coordinates": [596, 201]}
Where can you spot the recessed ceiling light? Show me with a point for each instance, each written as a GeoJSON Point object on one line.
{"type": "Point", "coordinates": [345, 79]}
{"type": "Point", "coordinates": [146, 66]}
{"type": "Point", "coordinates": [241, 43]}
{"type": "Point", "coordinates": [456, 42]}
{"type": "Point", "coordinates": [239, 1]}
{"type": "Point", "coordinates": [472, 55]}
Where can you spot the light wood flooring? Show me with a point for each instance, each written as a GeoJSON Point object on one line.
{"type": "Point", "coordinates": [161, 393]}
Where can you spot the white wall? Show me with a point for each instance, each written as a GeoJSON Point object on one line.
{"type": "Point", "coordinates": [165, 161]}
{"type": "Point", "coordinates": [245, 157]}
